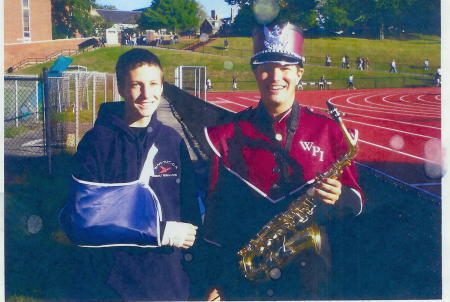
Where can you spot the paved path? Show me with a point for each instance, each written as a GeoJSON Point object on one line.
{"type": "Point", "coordinates": [169, 117]}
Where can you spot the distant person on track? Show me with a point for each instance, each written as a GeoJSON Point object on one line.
{"type": "Point", "coordinates": [350, 82]}
{"type": "Point", "coordinates": [133, 189]}
{"type": "Point", "coordinates": [261, 156]}
{"type": "Point", "coordinates": [209, 84]}
{"type": "Point", "coordinates": [437, 77]}
{"type": "Point", "coordinates": [234, 83]}
{"type": "Point", "coordinates": [393, 67]}
{"type": "Point", "coordinates": [327, 61]}
{"type": "Point", "coordinates": [225, 44]}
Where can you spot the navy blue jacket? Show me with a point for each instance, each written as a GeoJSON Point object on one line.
{"type": "Point", "coordinates": [111, 152]}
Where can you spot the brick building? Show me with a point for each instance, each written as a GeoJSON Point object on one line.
{"type": "Point", "coordinates": [28, 32]}
{"type": "Point", "coordinates": [27, 20]}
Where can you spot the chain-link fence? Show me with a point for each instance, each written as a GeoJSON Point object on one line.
{"type": "Point", "coordinates": [23, 116]}
{"type": "Point", "coordinates": [45, 115]}
{"type": "Point", "coordinates": [74, 100]}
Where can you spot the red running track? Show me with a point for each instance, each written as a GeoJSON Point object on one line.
{"type": "Point", "coordinates": [399, 129]}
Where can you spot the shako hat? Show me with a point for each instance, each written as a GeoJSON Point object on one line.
{"type": "Point", "coordinates": [279, 43]}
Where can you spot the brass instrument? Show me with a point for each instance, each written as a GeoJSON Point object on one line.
{"type": "Point", "coordinates": [293, 230]}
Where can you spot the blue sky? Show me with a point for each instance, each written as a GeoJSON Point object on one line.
{"type": "Point", "coordinates": [220, 6]}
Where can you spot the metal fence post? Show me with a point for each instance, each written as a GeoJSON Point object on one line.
{"type": "Point", "coordinates": [77, 111]}
{"type": "Point", "coordinates": [37, 100]}
{"type": "Point", "coordinates": [59, 96]}
{"type": "Point", "coordinates": [16, 88]}
{"type": "Point", "coordinates": [93, 100]}
{"type": "Point", "coordinates": [47, 120]}
{"type": "Point", "coordinates": [114, 89]}
{"type": "Point", "coordinates": [104, 96]}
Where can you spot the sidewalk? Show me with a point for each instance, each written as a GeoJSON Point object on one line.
{"type": "Point", "coordinates": [169, 117]}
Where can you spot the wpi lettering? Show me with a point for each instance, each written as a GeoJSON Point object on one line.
{"type": "Point", "coordinates": [309, 146]}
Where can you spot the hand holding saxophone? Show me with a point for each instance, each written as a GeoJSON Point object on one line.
{"type": "Point", "coordinates": [327, 190]}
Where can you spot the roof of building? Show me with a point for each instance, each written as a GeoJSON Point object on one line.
{"type": "Point", "coordinates": [141, 9]}
{"type": "Point", "coordinates": [215, 23]}
{"type": "Point", "coordinates": [119, 16]}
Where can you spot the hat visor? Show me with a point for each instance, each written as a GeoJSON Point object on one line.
{"type": "Point", "coordinates": [277, 58]}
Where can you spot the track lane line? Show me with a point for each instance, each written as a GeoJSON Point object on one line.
{"type": "Point", "coordinates": [391, 129]}
{"type": "Point", "coordinates": [399, 152]}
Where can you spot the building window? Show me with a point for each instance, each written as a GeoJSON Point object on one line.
{"type": "Point", "coordinates": [26, 19]}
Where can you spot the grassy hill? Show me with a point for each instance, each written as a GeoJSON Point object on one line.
{"type": "Point", "coordinates": [223, 64]}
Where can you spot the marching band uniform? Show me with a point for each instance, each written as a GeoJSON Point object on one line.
{"type": "Point", "coordinates": [258, 165]}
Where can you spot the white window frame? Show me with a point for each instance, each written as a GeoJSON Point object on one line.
{"type": "Point", "coordinates": [25, 32]}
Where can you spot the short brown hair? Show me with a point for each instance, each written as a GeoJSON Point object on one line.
{"type": "Point", "coordinates": [132, 59]}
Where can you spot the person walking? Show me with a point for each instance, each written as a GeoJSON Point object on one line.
{"type": "Point", "coordinates": [350, 82]}
{"type": "Point", "coordinates": [234, 83]}
{"type": "Point", "coordinates": [393, 66]}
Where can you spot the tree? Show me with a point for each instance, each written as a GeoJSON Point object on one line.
{"type": "Point", "coordinates": [423, 16]}
{"type": "Point", "coordinates": [174, 15]}
{"type": "Point", "coordinates": [72, 17]}
{"type": "Point", "coordinates": [300, 12]}
{"type": "Point", "coordinates": [244, 22]}
{"type": "Point", "coordinates": [335, 16]}
{"type": "Point", "coordinates": [378, 15]}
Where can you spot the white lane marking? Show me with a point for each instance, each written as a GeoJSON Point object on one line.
{"type": "Point", "coordinates": [384, 112]}
{"type": "Point", "coordinates": [212, 103]}
{"type": "Point", "coordinates": [231, 102]}
{"type": "Point", "coordinates": [245, 98]}
{"type": "Point", "coordinates": [399, 152]}
{"type": "Point", "coordinates": [419, 105]}
{"type": "Point", "coordinates": [391, 129]}
{"type": "Point", "coordinates": [384, 119]}
{"type": "Point", "coordinates": [390, 111]}
{"type": "Point", "coordinates": [407, 108]}
{"type": "Point", "coordinates": [420, 97]}
{"type": "Point", "coordinates": [412, 107]}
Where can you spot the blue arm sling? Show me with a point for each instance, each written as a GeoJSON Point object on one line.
{"type": "Point", "coordinates": [118, 214]}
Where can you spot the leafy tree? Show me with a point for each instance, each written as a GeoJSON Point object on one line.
{"type": "Point", "coordinates": [375, 16]}
{"type": "Point", "coordinates": [174, 15]}
{"type": "Point", "coordinates": [300, 12]}
{"type": "Point", "coordinates": [370, 16]}
{"type": "Point", "coordinates": [335, 16]}
{"type": "Point", "coordinates": [423, 16]}
{"type": "Point", "coordinates": [70, 17]}
{"type": "Point", "coordinates": [244, 22]}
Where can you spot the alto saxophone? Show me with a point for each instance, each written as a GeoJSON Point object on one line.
{"type": "Point", "coordinates": [292, 231]}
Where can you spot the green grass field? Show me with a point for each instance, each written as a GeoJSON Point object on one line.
{"type": "Point", "coordinates": [222, 64]}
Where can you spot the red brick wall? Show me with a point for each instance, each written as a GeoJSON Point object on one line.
{"type": "Point", "coordinates": [40, 20]}
{"type": "Point", "coordinates": [13, 26]}
{"type": "Point", "coordinates": [15, 53]}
